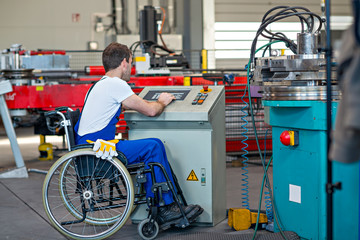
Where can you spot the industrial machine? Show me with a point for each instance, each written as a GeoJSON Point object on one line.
{"type": "Point", "coordinates": [294, 96]}
{"type": "Point", "coordinates": [34, 74]}
{"type": "Point", "coordinates": [192, 129]}
{"type": "Point", "coordinates": [151, 60]}
{"type": "Point", "coordinates": [296, 107]}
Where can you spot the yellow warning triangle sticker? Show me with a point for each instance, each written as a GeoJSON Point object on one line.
{"type": "Point", "coordinates": [192, 176]}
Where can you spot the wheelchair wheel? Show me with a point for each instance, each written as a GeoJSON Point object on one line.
{"type": "Point", "coordinates": [68, 201]}
{"type": "Point", "coordinates": [148, 230]}
{"type": "Point", "coordinates": [86, 197]}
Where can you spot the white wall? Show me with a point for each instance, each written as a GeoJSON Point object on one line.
{"type": "Point", "coordinates": [253, 10]}
{"type": "Point", "coordinates": [47, 24]}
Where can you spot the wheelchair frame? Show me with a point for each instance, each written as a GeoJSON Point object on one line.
{"type": "Point", "coordinates": [95, 201]}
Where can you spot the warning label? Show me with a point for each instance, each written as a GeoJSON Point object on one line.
{"type": "Point", "coordinates": [192, 176]}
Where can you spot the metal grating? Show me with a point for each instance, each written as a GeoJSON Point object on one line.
{"type": "Point", "coordinates": [80, 59]}
{"type": "Point", "coordinates": [231, 236]}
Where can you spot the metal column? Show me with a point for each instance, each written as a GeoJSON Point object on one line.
{"type": "Point", "coordinates": [20, 171]}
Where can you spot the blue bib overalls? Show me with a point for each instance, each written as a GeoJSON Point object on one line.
{"type": "Point", "coordinates": [136, 151]}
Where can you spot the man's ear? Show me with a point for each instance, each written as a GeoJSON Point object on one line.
{"type": "Point", "coordinates": [124, 63]}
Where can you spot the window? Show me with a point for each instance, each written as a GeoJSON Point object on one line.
{"type": "Point", "coordinates": [233, 39]}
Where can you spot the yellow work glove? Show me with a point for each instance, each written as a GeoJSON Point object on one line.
{"type": "Point", "coordinates": [105, 149]}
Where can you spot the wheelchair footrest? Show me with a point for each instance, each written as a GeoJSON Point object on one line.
{"type": "Point", "coordinates": [180, 223]}
{"type": "Point", "coordinates": [183, 223]}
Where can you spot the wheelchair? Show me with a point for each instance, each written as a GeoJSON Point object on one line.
{"type": "Point", "coordinates": [86, 197]}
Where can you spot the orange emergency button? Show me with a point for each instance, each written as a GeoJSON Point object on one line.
{"type": "Point", "coordinates": [289, 138]}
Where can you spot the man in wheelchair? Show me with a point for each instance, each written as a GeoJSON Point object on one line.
{"type": "Point", "coordinates": [102, 107]}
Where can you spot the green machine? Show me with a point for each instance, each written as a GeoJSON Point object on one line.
{"type": "Point", "coordinates": [294, 97]}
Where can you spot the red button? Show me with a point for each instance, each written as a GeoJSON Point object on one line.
{"type": "Point", "coordinates": [205, 88]}
{"type": "Point", "coordinates": [285, 138]}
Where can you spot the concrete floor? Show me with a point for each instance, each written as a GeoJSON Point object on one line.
{"type": "Point", "coordinates": [21, 211]}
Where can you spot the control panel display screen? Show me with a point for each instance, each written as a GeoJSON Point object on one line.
{"type": "Point", "coordinates": [180, 95]}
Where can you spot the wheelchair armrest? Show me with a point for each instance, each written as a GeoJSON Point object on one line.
{"type": "Point", "coordinates": [122, 158]}
{"type": "Point", "coordinates": [81, 146]}
{"type": "Point", "coordinates": [135, 166]}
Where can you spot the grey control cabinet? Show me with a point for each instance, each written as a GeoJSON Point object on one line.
{"type": "Point", "coordinates": [194, 139]}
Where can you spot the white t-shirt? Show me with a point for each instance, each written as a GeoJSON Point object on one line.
{"type": "Point", "coordinates": [102, 104]}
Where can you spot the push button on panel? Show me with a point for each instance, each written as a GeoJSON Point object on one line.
{"type": "Point", "coordinates": [195, 101]}
{"type": "Point", "coordinates": [199, 99]}
{"type": "Point", "coordinates": [289, 138]}
{"type": "Point", "coordinates": [205, 89]}
{"type": "Point", "coordinates": [202, 98]}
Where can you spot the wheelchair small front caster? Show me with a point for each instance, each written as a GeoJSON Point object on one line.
{"type": "Point", "coordinates": [148, 229]}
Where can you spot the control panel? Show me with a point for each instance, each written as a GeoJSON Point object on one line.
{"type": "Point", "coordinates": [180, 94]}
{"type": "Point", "coordinates": [193, 103]}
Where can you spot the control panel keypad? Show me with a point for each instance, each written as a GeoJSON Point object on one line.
{"type": "Point", "coordinates": [199, 99]}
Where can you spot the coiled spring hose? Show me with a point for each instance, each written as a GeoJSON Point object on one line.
{"type": "Point", "coordinates": [245, 181]}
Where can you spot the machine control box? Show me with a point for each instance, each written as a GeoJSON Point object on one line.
{"type": "Point", "coordinates": [196, 116]}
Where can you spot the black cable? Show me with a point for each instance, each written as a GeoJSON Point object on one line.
{"type": "Point", "coordinates": [264, 25]}
{"type": "Point", "coordinates": [266, 48]}
{"type": "Point", "coordinates": [291, 44]}
{"type": "Point", "coordinates": [131, 46]}
{"type": "Point", "coordinates": [356, 7]}
{"type": "Point", "coordinates": [283, 12]}
{"type": "Point", "coordinates": [301, 13]}
{"type": "Point", "coordinates": [137, 43]}
{"type": "Point", "coordinates": [164, 45]}
{"type": "Point", "coordinates": [155, 45]}
{"type": "Point", "coordinates": [281, 15]}
{"type": "Point", "coordinates": [286, 9]}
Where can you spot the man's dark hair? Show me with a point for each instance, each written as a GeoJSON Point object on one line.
{"type": "Point", "coordinates": [114, 54]}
